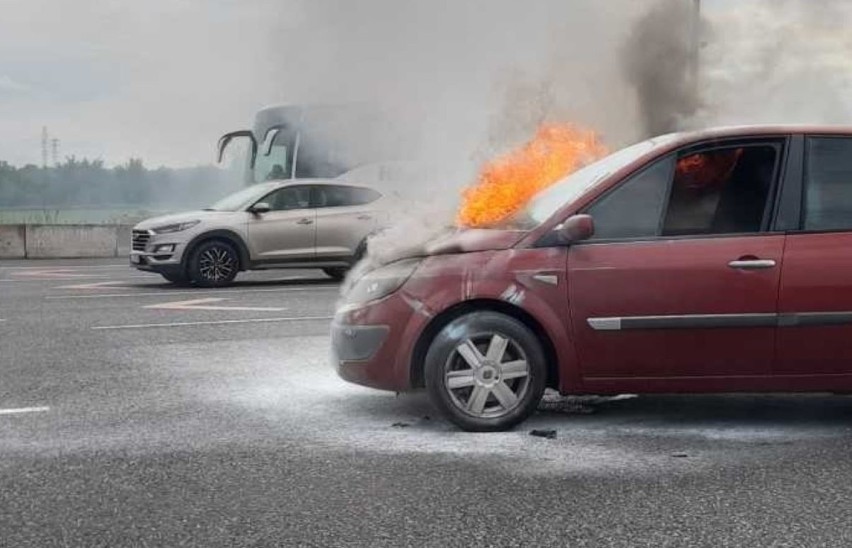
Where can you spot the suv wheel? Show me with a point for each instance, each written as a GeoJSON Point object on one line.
{"type": "Point", "coordinates": [486, 372]}
{"type": "Point", "coordinates": [213, 264]}
{"type": "Point", "coordinates": [338, 273]}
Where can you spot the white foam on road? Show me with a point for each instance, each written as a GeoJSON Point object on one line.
{"type": "Point", "coordinates": [290, 383]}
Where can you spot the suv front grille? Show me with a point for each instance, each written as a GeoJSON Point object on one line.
{"type": "Point", "coordinates": [140, 239]}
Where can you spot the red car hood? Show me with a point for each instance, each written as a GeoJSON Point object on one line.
{"type": "Point", "coordinates": [473, 239]}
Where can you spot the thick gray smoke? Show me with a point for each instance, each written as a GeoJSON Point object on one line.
{"type": "Point", "coordinates": [777, 61]}
{"type": "Point", "coordinates": [485, 76]}
{"type": "Point", "coordinates": [660, 61]}
{"type": "Point", "coordinates": [749, 62]}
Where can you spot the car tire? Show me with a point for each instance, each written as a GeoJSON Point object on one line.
{"type": "Point", "coordinates": [337, 273]}
{"type": "Point", "coordinates": [177, 279]}
{"type": "Point", "coordinates": [485, 372]}
{"type": "Point", "coordinates": [214, 263]}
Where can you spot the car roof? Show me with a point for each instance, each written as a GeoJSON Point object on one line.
{"type": "Point", "coordinates": [317, 182]}
{"type": "Point", "coordinates": [768, 130]}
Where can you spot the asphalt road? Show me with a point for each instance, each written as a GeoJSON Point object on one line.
{"type": "Point", "coordinates": [133, 413]}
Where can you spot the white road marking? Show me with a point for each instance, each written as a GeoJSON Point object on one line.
{"type": "Point", "coordinates": [56, 274]}
{"type": "Point", "coordinates": [167, 292]}
{"type": "Point", "coordinates": [67, 267]}
{"type": "Point", "coordinates": [95, 285]}
{"type": "Point", "coordinates": [21, 410]}
{"type": "Point", "coordinates": [204, 304]}
{"type": "Point", "coordinates": [214, 322]}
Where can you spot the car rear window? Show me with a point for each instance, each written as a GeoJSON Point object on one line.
{"type": "Point", "coordinates": [828, 184]}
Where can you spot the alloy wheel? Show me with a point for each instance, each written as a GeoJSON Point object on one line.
{"type": "Point", "coordinates": [217, 263]}
{"type": "Point", "coordinates": [487, 375]}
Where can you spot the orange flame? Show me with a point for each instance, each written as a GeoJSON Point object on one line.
{"type": "Point", "coordinates": [506, 184]}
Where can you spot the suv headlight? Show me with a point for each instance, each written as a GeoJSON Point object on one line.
{"type": "Point", "coordinates": [177, 227]}
{"type": "Point", "coordinates": [380, 282]}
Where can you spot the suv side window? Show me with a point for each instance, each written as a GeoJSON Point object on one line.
{"type": "Point", "coordinates": [343, 196]}
{"type": "Point", "coordinates": [720, 190]}
{"type": "Point", "coordinates": [828, 184]}
{"type": "Point", "coordinates": [287, 198]}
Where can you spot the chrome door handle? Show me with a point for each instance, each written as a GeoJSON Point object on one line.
{"type": "Point", "coordinates": [752, 264]}
{"type": "Point", "coordinates": [305, 221]}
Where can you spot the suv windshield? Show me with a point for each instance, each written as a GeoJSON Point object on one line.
{"type": "Point", "coordinates": [550, 200]}
{"type": "Point", "coordinates": [242, 198]}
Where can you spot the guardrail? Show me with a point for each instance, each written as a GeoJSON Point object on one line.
{"type": "Point", "coordinates": [63, 241]}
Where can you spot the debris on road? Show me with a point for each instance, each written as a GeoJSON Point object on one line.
{"type": "Point", "coordinates": [554, 402]}
{"type": "Point", "coordinates": [548, 434]}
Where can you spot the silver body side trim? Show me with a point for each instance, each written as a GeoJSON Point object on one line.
{"type": "Point", "coordinates": [605, 324]}
{"type": "Point", "coordinates": [686, 321]}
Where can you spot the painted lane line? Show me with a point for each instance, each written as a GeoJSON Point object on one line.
{"type": "Point", "coordinates": [214, 322]}
{"type": "Point", "coordinates": [22, 410]}
{"type": "Point", "coordinates": [190, 292]}
{"type": "Point", "coordinates": [204, 304]}
{"type": "Point", "coordinates": [56, 274]}
{"type": "Point", "coordinates": [66, 267]}
{"type": "Point", "coordinates": [95, 285]}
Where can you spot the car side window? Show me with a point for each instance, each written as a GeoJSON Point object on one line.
{"type": "Point", "coordinates": [828, 184]}
{"type": "Point", "coordinates": [287, 198]}
{"type": "Point", "coordinates": [633, 209]}
{"type": "Point", "coordinates": [343, 196]}
{"type": "Point", "coordinates": [720, 191]}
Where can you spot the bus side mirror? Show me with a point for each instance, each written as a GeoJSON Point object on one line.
{"type": "Point", "coordinates": [226, 139]}
{"type": "Point", "coordinates": [576, 228]}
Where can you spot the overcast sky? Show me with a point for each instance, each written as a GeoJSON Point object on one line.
{"type": "Point", "coordinates": [162, 79]}
{"type": "Point", "coordinates": [157, 79]}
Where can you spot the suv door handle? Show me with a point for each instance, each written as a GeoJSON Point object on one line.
{"type": "Point", "coordinates": [305, 221]}
{"type": "Point", "coordinates": [364, 217]}
{"type": "Point", "coordinates": [752, 264]}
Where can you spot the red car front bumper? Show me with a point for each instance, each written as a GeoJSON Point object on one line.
{"type": "Point", "coordinates": [372, 345]}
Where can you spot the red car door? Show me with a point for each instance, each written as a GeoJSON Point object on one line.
{"type": "Point", "coordinates": [681, 279]}
{"type": "Point", "coordinates": [815, 334]}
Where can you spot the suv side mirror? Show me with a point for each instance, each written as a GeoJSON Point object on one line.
{"type": "Point", "coordinates": [576, 228]}
{"type": "Point", "coordinates": [260, 208]}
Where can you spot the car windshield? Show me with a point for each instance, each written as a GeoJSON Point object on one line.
{"type": "Point", "coordinates": [549, 201]}
{"type": "Point", "coordinates": [243, 198]}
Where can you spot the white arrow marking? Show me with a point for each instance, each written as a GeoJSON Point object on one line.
{"type": "Point", "coordinates": [96, 285]}
{"type": "Point", "coordinates": [20, 410]}
{"type": "Point", "coordinates": [202, 304]}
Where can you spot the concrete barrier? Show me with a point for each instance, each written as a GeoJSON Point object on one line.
{"type": "Point", "coordinates": [64, 241]}
{"type": "Point", "coordinates": [123, 234]}
{"type": "Point", "coordinates": [13, 242]}
{"type": "Point", "coordinates": [60, 242]}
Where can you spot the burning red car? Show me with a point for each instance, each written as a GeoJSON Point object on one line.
{"type": "Point", "coordinates": [702, 262]}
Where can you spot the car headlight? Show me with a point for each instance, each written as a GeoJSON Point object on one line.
{"type": "Point", "coordinates": [380, 282]}
{"type": "Point", "coordinates": [177, 227]}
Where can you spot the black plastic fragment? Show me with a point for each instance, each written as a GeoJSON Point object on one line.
{"type": "Point", "coordinates": [549, 434]}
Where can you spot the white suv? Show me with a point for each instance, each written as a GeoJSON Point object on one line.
{"type": "Point", "coordinates": [281, 224]}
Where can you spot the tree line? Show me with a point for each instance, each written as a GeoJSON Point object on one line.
{"type": "Point", "coordinates": [85, 183]}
